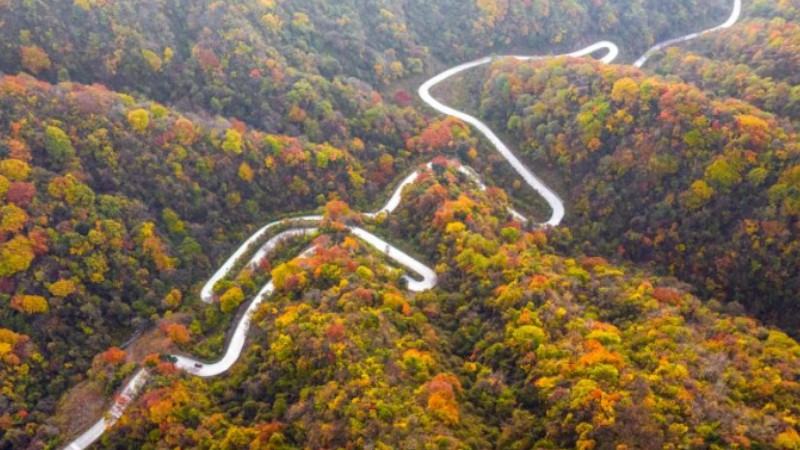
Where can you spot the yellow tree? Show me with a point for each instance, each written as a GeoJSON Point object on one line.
{"type": "Point", "coordinates": [231, 299]}
{"type": "Point", "coordinates": [14, 169]}
{"type": "Point", "coordinates": [139, 120]}
{"type": "Point", "coordinates": [62, 288]}
{"type": "Point", "coordinates": [245, 172]}
{"type": "Point", "coordinates": [233, 142]}
{"type": "Point", "coordinates": [29, 304]}
{"type": "Point", "coordinates": [16, 256]}
{"type": "Point", "coordinates": [13, 218]}
{"type": "Point", "coordinates": [625, 91]}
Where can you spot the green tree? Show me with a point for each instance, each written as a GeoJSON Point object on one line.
{"type": "Point", "coordinates": [58, 145]}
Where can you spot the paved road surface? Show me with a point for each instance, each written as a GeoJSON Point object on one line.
{"type": "Point", "coordinates": [737, 12]}
{"type": "Point", "coordinates": [552, 199]}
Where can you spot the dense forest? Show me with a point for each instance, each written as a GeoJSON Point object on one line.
{"type": "Point", "coordinates": [142, 141]}
{"type": "Point", "coordinates": [519, 348]}
{"type": "Point", "coordinates": [705, 158]}
{"type": "Point", "coordinates": [706, 189]}
{"type": "Point", "coordinates": [266, 61]}
{"type": "Point", "coordinates": [756, 62]}
{"type": "Point", "coordinates": [93, 247]}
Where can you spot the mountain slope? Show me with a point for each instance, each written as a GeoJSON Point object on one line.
{"type": "Point", "coordinates": [112, 211]}
{"type": "Point", "coordinates": [266, 61]}
{"type": "Point", "coordinates": [659, 172]}
{"type": "Point", "coordinates": [518, 348]}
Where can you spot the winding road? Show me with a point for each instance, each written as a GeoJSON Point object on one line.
{"type": "Point", "coordinates": [239, 336]}
{"type": "Point", "coordinates": [552, 199]}
{"type": "Point", "coordinates": [428, 276]}
{"type": "Point", "coordinates": [735, 15]}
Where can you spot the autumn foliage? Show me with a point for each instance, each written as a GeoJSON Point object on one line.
{"type": "Point", "coordinates": [115, 208]}
{"type": "Point", "coordinates": [29, 304]}
{"type": "Point", "coordinates": [113, 356]}
{"type": "Point", "coordinates": [720, 173]}
{"type": "Point", "coordinates": [177, 333]}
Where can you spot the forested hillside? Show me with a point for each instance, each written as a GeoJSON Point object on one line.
{"type": "Point", "coordinates": [290, 66]}
{"type": "Point", "coordinates": [659, 172]}
{"type": "Point", "coordinates": [756, 61]}
{"type": "Point", "coordinates": [113, 210]}
{"type": "Point", "coordinates": [709, 182]}
{"type": "Point", "coordinates": [519, 348]}
{"type": "Point", "coordinates": [141, 142]}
